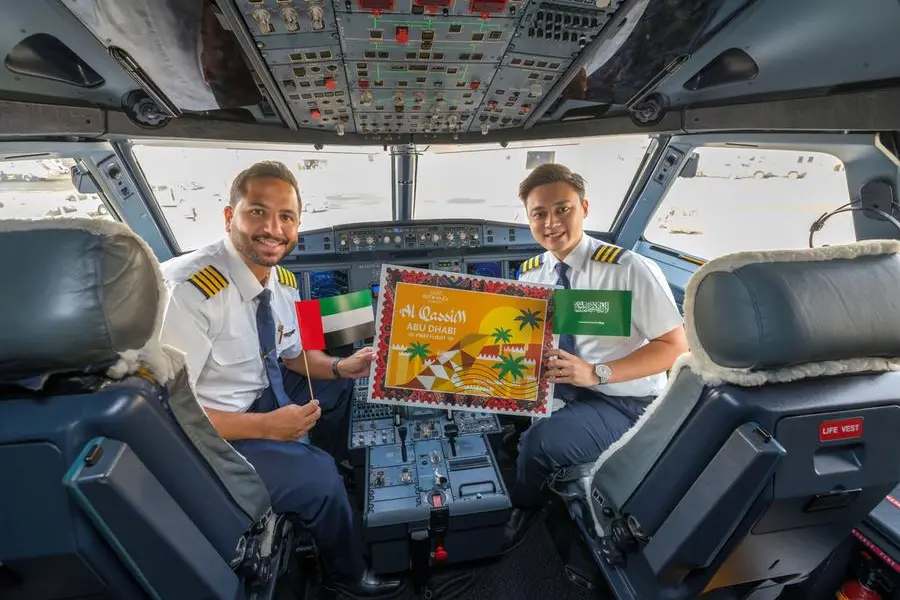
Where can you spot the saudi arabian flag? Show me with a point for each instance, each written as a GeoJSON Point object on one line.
{"type": "Point", "coordinates": [592, 312]}
{"type": "Point", "coordinates": [336, 321]}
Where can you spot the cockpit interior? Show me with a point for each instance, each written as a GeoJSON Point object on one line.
{"type": "Point", "coordinates": [748, 149]}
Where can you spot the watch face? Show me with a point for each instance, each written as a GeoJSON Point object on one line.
{"type": "Point", "coordinates": [602, 371]}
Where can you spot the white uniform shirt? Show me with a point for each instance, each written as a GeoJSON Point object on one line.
{"type": "Point", "coordinates": [211, 316]}
{"type": "Point", "coordinates": [595, 265]}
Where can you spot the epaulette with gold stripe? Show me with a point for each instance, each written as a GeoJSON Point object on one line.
{"type": "Point", "coordinates": [608, 254]}
{"type": "Point", "coordinates": [209, 280]}
{"type": "Point", "coordinates": [532, 263]}
{"type": "Point", "coordinates": [285, 277]}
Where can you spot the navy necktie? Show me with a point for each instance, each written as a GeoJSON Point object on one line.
{"type": "Point", "coordinates": [564, 391]}
{"type": "Point", "coordinates": [265, 328]}
{"type": "Point", "coordinates": [566, 340]}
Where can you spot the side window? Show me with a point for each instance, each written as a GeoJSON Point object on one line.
{"type": "Point", "coordinates": [753, 199]}
{"type": "Point", "coordinates": [38, 188]}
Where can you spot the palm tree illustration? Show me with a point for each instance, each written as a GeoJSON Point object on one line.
{"type": "Point", "coordinates": [417, 352]}
{"type": "Point", "coordinates": [529, 318]}
{"type": "Point", "coordinates": [500, 336]}
{"type": "Point", "coordinates": [513, 367]}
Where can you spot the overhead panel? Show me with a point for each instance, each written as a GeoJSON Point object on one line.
{"type": "Point", "coordinates": [422, 66]}
{"type": "Point", "coordinates": [387, 67]}
{"type": "Point", "coordinates": [298, 41]}
{"type": "Point", "coordinates": [550, 37]}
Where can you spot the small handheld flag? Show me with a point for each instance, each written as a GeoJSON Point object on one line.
{"type": "Point", "coordinates": [592, 312]}
{"type": "Point", "coordinates": [336, 321]}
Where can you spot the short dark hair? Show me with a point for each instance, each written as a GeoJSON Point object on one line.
{"type": "Point", "coordinates": [265, 168]}
{"type": "Point", "coordinates": [551, 173]}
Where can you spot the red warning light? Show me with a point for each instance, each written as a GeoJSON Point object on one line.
{"type": "Point", "coordinates": [432, 6]}
{"type": "Point", "coordinates": [330, 83]}
{"type": "Point", "coordinates": [363, 84]}
{"type": "Point", "coordinates": [440, 555]}
{"type": "Point", "coordinates": [314, 113]}
{"type": "Point", "coordinates": [485, 8]}
{"type": "Point", "coordinates": [401, 34]}
{"type": "Point", "coordinates": [376, 5]}
{"type": "Point", "coordinates": [475, 85]}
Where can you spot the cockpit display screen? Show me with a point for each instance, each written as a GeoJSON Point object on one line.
{"type": "Point", "coordinates": [485, 269]}
{"type": "Point", "coordinates": [324, 284]}
{"type": "Point", "coordinates": [514, 268]}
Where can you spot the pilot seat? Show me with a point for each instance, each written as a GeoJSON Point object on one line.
{"type": "Point", "coordinates": [115, 484]}
{"type": "Point", "coordinates": [776, 435]}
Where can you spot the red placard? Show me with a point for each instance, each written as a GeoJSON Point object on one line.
{"type": "Point", "coordinates": [842, 429]}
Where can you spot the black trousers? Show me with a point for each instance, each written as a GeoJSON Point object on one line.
{"type": "Point", "coordinates": [578, 433]}
{"type": "Point", "coordinates": [303, 479]}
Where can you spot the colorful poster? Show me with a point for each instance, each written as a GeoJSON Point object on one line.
{"type": "Point", "coordinates": [450, 340]}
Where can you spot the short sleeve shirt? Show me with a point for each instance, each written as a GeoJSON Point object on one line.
{"type": "Point", "coordinates": [595, 265]}
{"type": "Point", "coordinates": [211, 317]}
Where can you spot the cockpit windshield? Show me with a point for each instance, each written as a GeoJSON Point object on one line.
{"type": "Point", "coordinates": [482, 181]}
{"type": "Point", "coordinates": [343, 185]}
{"type": "Point", "coordinates": [339, 185]}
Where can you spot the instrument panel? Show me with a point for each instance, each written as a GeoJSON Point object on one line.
{"type": "Point", "coordinates": [338, 260]}
{"type": "Point", "coordinates": [334, 282]}
{"type": "Point", "coordinates": [388, 67]}
{"type": "Point", "coordinates": [411, 236]}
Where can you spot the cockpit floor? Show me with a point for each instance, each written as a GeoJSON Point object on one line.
{"type": "Point", "coordinates": [530, 571]}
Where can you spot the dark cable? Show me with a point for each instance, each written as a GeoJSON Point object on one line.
{"type": "Point", "coordinates": [820, 222]}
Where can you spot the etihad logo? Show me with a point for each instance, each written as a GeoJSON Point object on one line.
{"type": "Point", "coordinates": [583, 307]}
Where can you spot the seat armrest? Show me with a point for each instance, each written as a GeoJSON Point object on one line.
{"type": "Point", "coordinates": [153, 537]}
{"type": "Point", "coordinates": [705, 518]}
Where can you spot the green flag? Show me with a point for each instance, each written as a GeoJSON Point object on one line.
{"type": "Point", "coordinates": [592, 312]}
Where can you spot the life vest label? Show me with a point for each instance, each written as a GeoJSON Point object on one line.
{"type": "Point", "coordinates": [843, 429]}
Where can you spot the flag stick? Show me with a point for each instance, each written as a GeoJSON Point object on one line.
{"type": "Point", "coordinates": [305, 360]}
{"type": "Point", "coordinates": [308, 378]}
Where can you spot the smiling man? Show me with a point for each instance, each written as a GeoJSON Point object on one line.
{"type": "Point", "coordinates": [603, 384]}
{"type": "Point", "coordinates": [231, 310]}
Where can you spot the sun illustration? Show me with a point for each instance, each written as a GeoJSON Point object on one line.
{"type": "Point", "coordinates": [505, 325]}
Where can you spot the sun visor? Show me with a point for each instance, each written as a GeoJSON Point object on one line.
{"type": "Point", "coordinates": [179, 44]}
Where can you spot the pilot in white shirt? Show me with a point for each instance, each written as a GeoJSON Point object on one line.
{"type": "Point", "coordinates": [596, 265]}
{"type": "Point", "coordinates": [212, 318]}
{"type": "Point", "coordinates": [232, 311]}
{"type": "Point", "coordinates": [604, 383]}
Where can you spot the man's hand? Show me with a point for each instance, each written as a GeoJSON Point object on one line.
{"type": "Point", "coordinates": [563, 367]}
{"type": "Point", "coordinates": [292, 422]}
{"type": "Point", "coordinates": [357, 365]}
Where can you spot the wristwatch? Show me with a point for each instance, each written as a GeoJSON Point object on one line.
{"type": "Point", "coordinates": [602, 372]}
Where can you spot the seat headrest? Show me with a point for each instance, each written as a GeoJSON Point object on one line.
{"type": "Point", "coordinates": [78, 293]}
{"type": "Point", "coordinates": [754, 317]}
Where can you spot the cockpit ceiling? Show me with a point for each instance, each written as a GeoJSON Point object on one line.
{"type": "Point", "coordinates": [384, 69]}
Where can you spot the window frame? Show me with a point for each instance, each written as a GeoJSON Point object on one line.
{"type": "Point", "coordinates": [861, 158]}
{"type": "Point", "coordinates": [82, 153]}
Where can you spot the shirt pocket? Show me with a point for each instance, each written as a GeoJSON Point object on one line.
{"type": "Point", "coordinates": [234, 352]}
{"type": "Point", "coordinates": [286, 340]}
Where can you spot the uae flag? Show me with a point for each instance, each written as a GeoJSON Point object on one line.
{"type": "Point", "coordinates": [336, 321]}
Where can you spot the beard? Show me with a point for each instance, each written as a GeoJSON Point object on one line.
{"type": "Point", "coordinates": [248, 246]}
